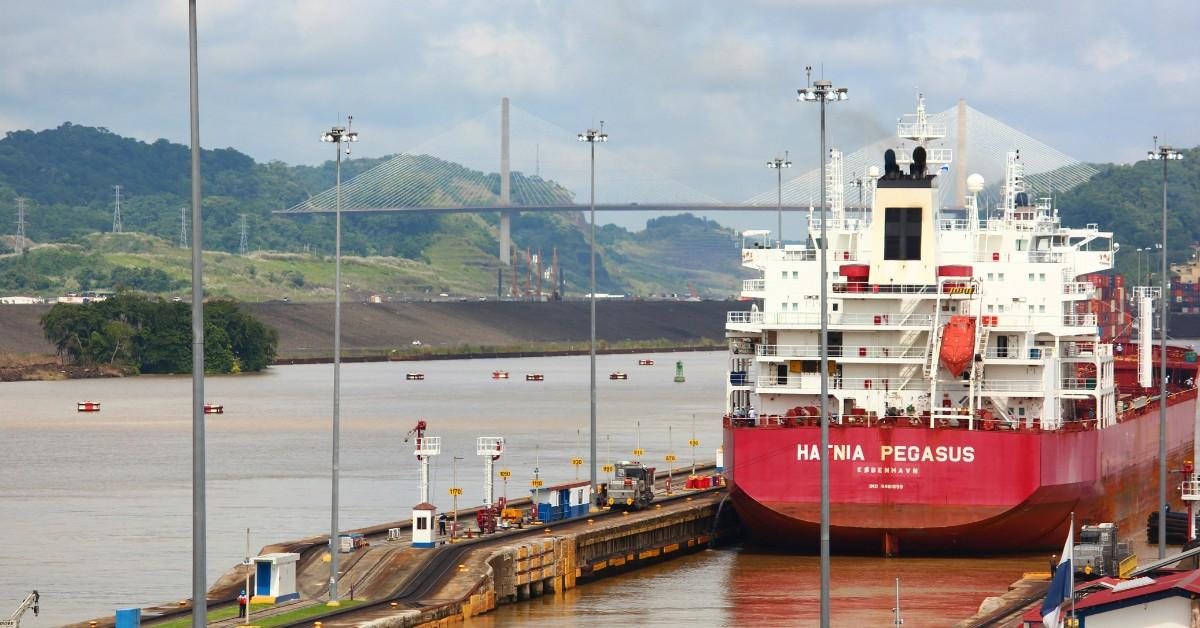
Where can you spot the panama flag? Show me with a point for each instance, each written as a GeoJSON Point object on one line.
{"type": "Point", "coordinates": [1061, 585]}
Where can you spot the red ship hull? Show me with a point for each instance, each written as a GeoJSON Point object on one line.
{"type": "Point", "coordinates": [917, 490]}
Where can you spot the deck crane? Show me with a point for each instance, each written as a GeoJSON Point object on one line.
{"type": "Point", "coordinates": [14, 620]}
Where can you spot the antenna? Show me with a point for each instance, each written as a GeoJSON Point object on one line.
{"type": "Point", "coordinates": [21, 246]}
{"type": "Point", "coordinates": [116, 228]}
{"type": "Point", "coordinates": [242, 243]}
{"type": "Point", "coordinates": [183, 234]}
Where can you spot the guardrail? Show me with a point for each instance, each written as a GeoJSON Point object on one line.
{"type": "Point", "coordinates": [749, 318]}
{"type": "Point", "coordinates": [845, 351]}
{"type": "Point", "coordinates": [754, 285]}
{"type": "Point", "coordinates": [891, 319]}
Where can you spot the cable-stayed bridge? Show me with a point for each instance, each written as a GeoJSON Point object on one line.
{"type": "Point", "coordinates": [451, 172]}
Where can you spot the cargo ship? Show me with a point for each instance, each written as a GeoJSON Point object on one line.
{"type": "Point", "coordinates": [980, 390]}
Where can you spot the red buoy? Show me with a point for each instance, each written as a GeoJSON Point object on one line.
{"type": "Point", "coordinates": [958, 344]}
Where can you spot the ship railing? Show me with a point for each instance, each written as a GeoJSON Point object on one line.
{"type": "Point", "coordinates": [1036, 321]}
{"type": "Point", "coordinates": [754, 285]}
{"type": "Point", "coordinates": [926, 130]}
{"type": "Point", "coordinates": [1083, 349]}
{"type": "Point", "coordinates": [889, 319]}
{"type": "Point", "coordinates": [844, 351]}
{"type": "Point", "coordinates": [812, 381]}
{"type": "Point", "coordinates": [954, 224]}
{"type": "Point", "coordinates": [1037, 257]}
{"type": "Point", "coordinates": [866, 288]}
{"type": "Point", "coordinates": [749, 318]}
{"type": "Point", "coordinates": [1078, 383]}
{"type": "Point", "coordinates": [1015, 353]}
{"type": "Point", "coordinates": [1079, 287]}
{"type": "Point", "coordinates": [1079, 320]}
{"type": "Point", "coordinates": [797, 255]}
{"type": "Point", "coordinates": [1010, 385]}
{"type": "Point", "coordinates": [1191, 488]}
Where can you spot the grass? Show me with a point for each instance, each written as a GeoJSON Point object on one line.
{"type": "Point", "coordinates": [300, 613]}
{"type": "Point", "coordinates": [222, 613]}
{"type": "Point", "coordinates": [219, 613]}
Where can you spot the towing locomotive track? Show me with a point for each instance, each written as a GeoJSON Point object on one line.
{"type": "Point", "coordinates": [434, 574]}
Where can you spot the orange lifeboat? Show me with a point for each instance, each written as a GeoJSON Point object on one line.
{"type": "Point", "coordinates": [958, 344]}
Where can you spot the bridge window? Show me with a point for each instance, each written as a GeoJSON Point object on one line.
{"type": "Point", "coordinates": [902, 233]}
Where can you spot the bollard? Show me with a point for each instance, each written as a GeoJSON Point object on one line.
{"type": "Point", "coordinates": [591, 521]}
{"type": "Point", "coordinates": [317, 624]}
{"type": "Point", "coordinates": [91, 624]}
{"type": "Point", "coordinates": [395, 605]}
{"type": "Point", "coordinates": [658, 506]}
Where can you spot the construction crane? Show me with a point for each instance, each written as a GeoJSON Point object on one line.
{"type": "Point", "coordinates": [14, 620]}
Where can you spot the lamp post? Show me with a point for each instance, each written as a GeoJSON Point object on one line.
{"type": "Point", "coordinates": [592, 136]}
{"type": "Point", "coordinates": [1163, 153]}
{"type": "Point", "coordinates": [823, 91]}
{"type": "Point", "coordinates": [779, 164]}
{"type": "Point", "coordinates": [199, 517]}
{"type": "Point", "coordinates": [337, 136]}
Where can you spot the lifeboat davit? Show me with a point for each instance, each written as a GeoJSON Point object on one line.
{"type": "Point", "coordinates": [958, 344]}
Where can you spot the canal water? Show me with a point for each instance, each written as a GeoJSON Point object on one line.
{"type": "Point", "coordinates": [95, 509]}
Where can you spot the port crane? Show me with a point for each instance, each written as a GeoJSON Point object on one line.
{"type": "Point", "coordinates": [14, 620]}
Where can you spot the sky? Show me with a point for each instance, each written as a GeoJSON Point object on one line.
{"type": "Point", "coordinates": [696, 96]}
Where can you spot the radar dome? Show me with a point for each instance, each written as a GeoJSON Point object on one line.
{"type": "Point", "coordinates": [974, 183]}
{"type": "Point", "coordinates": [873, 171]}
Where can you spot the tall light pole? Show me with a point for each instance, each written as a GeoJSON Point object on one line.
{"type": "Point", "coordinates": [779, 164]}
{"type": "Point", "coordinates": [1138, 279]}
{"type": "Point", "coordinates": [1165, 154]}
{"type": "Point", "coordinates": [337, 135]}
{"type": "Point", "coordinates": [823, 91]}
{"type": "Point", "coordinates": [592, 136]}
{"type": "Point", "coordinates": [199, 518]}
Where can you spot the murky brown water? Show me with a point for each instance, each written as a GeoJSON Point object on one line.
{"type": "Point", "coordinates": [95, 509]}
{"type": "Point", "coordinates": [742, 587]}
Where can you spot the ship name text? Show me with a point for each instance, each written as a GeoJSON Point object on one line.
{"type": "Point", "coordinates": [890, 453]}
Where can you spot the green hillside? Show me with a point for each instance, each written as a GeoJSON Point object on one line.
{"type": "Point", "coordinates": [1127, 200]}
{"type": "Point", "coordinates": [68, 173]}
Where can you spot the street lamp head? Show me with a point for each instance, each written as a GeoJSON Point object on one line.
{"type": "Point", "coordinates": [787, 164]}
{"type": "Point", "coordinates": [592, 136]}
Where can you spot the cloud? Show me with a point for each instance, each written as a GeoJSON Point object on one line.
{"type": "Point", "coordinates": [701, 93]}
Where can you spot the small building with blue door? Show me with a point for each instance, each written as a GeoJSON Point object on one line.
{"type": "Point", "coordinates": [275, 578]}
{"type": "Point", "coordinates": [562, 501]}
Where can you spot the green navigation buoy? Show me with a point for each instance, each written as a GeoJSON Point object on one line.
{"type": "Point", "coordinates": [679, 372]}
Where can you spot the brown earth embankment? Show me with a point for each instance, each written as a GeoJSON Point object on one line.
{"type": "Point", "coordinates": [306, 329]}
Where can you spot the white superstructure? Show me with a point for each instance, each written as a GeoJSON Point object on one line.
{"type": "Point", "coordinates": [896, 278]}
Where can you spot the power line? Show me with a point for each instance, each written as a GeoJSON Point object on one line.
{"type": "Point", "coordinates": [116, 228]}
